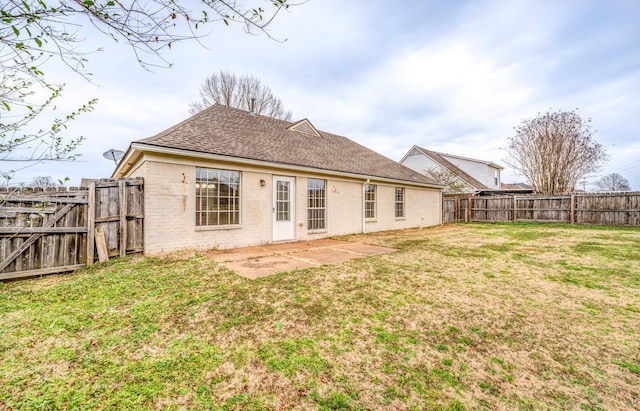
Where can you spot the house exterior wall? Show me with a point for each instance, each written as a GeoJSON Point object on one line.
{"type": "Point", "coordinates": [482, 172]}
{"type": "Point", "coordinates": [139, 171]}
{"type": "Point", "coordinates": [420, 162]}
{"type": "Point", "coordinates": [421, 209]}
{"type": "Point", "coordinates": [170, 206]}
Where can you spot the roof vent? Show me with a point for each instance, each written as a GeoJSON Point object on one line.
{"type": "Point", "coordinates": [305, 127]}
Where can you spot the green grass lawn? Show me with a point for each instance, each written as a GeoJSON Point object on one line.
{"type": "Point", "coordinates": [494, 316]}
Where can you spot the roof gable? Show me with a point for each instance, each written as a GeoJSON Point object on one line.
{"type": "Point", "coordinates": [488, 163]}
{"type": "Point", "coordinates": [305, 127]}
{"type": "Point", "coordinates": [235, 133]}
{"type": "Point", "coordinates": [437, 157]}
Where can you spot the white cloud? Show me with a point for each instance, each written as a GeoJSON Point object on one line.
{"type": "Point", "coordinates": [454, 78]}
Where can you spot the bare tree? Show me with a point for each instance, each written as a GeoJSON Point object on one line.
{"type": "Point", "coordinates": [554, 150]}
{"type": "Point", "coordinates": [613, 182]}
{"type": "Point", "coordinates": [243, 92]}
{"type": "Point", "coordinates": [33, 32]}
{"type": "Point", "coordinates": [43, 182]}
{"type": "Point", "coordinates": [453, 184]}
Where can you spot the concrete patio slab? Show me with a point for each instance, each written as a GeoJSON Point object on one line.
{"type": "Point", "coordinates": [260, 261]}
{"type": "Point", "coordinates": [331, 255]}
{"type": "Point", "coordinates": [365, 249]}
{"type": "Point", "coordinates": [267, 265]}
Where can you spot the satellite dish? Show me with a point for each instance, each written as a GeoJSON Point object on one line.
{"type": "Point", "coordinates": [114, 155]}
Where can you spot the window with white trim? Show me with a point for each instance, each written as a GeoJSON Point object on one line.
{"type": "Point", "coordinates": [283, 201]}
{"type": "Point", "coordinates": [316, 204]}
{"type": "Point", "coordinates": [217, 197]}
{"type": "Point", "coordinates": [370, 201]}
{"type": "Point", "coordinates": [399, 202]}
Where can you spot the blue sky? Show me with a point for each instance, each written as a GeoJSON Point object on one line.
{"type": "Point", "coordinates": [453, 76]}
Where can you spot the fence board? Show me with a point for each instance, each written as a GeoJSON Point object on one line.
{"type": "Point", "coordinates": [122, 211]}
{"type": "Point", "coordinates": [48, 232]}
{"type": "Point", "coordinates": [616, 209]}
{"type": "Point", "coordinates": [91, 223]}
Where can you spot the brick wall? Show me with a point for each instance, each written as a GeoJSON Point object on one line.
{"type": "Point", "coordinates": [170, 207]}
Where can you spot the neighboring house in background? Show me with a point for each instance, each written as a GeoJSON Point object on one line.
{"type": "Point", "coordinates": [516, 186]}
{"type": "Point", "coordinates": [228, 178]}
{"type": "Point", "coordinates": [509, 189]}
{"type": "Point", "coordinates": [475, 175]}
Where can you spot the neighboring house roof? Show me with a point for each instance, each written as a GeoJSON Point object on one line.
{"type": "Point", "coordinates": [515, 186]}
{"type": "Point", "coordinates": [489, 163]}
{"type": "Point", "coordinates": [437, 157]}
{"type": "Point", "coordinates": [224, 131]}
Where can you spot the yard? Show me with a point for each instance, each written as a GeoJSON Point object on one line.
{"type": "Point", "coordinates": [495, 316]}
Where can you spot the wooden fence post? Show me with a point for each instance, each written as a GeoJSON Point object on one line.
{"type": "Point", "coordinates": [572, 211]}
{"type": "Point", "coordinates": [515, 208]}
{"type": "Point", "coordinates": [91, 222]}
{"type": "Point", "coordinates": [122, 193]}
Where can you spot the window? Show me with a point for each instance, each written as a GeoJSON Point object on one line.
{"type": "Point", "coordinates": [399, 202]}
{"type": "Point", "coordinates": [217, 197]}
{"type": "Point", "coordinates": [370, 201]}
{"type": "Point", "coordinates": [495, 177]}
{"type": "Point", "coordinates": [316, 204]}
{"type": "Point", "coordinates": [283, 197]}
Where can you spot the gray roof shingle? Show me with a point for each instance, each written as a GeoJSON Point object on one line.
{"type": "Point", "coordinates": [237, 133]}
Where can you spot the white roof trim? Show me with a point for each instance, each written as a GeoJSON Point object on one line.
{"type": "Point", "coordinates": [489, 163]}
{"type": "Point", "coordinates": [304, 126]}
{"type": "Point", "coordinates": [409, 152]}
{"type": "Point", "coordinates": [135, 150]}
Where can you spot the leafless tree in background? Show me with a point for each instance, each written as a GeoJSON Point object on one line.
{"type": "Point", "coordinates": [43, 182]}
{"type": "Point", "coordinates": [453, 184]}
{"type": "Point", "coordinates": [33, 32]}
{"type": "Point", "coordinates": [613, 182]}
{"type": "Point", "coordinates": [244, 92]}
{"type": "Point", "coordinates": [554, 150]}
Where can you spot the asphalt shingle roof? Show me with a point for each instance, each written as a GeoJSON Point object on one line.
{"type": "Point", "coordinates": [237, 133]}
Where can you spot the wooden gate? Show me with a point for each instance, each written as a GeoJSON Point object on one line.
{"type": "Point", "coordinates": [455, 208]}
{"type": "Point", "coordinates": [52, 232]}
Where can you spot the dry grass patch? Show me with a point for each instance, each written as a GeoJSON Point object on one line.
{"type": "Point", "coordinates": [462, 317]}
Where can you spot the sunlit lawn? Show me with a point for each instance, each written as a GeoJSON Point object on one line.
{"type": "Point", "coordinates": [461, 317]}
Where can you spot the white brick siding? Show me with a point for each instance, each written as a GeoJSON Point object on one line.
{"type": "Point", "coordinates": [170, 206]}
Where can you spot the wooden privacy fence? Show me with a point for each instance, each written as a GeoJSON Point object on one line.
{"type": "Point", "coordinates": [50, 232]}
{"type": "Point", "coordinates": [615, 209]}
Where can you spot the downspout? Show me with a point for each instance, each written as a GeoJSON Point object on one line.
{"type": "Point", "coordinates": [364, 185]}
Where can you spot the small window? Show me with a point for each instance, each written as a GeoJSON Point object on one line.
{"type": "Point", "coordinates": [370, 201]}
{"type": "Point", "coordinates": [217, 197]}
{"type": "Point", "coordinates": [399, 202]}
{"type": "Point", "coordinates": [283, 200]}
{"type": "Point", "coordinates": [496, 177]}
{"type": "Point", "coordinates": [316, 204]}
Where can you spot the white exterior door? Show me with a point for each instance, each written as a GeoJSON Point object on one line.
{"type": "Point", "coordinates": [284, 227]}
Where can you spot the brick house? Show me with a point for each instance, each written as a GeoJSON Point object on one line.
{"type": "Point", "coordinates": [228, 178]}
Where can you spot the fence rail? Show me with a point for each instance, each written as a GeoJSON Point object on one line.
{"type": "Point", "coordinates": [615, 209]}
{"type": "Point", "coordinates": [51, 232]}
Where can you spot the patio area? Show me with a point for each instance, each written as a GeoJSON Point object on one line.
{"type": "Point", "coordinates": [261, 261]}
